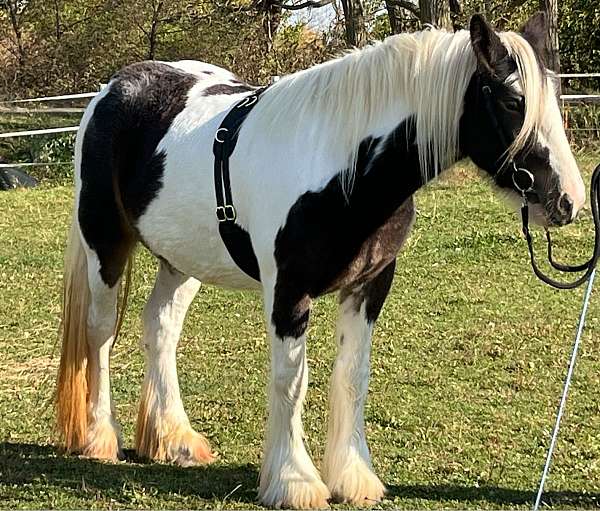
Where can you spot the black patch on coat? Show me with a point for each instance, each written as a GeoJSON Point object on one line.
{"type": "Point", "coordinates": [225, 88]}
{"type": "Point", "coordinates": [536, 32]}
{"type": "Point", "coordinates": [121, 173]}
{"type": "Point", "coordinates": [486, 140]}
{"type": "Point", "coordinates": [291, 317]}
{"type": "Point", "coordinates": [376, 291]}
{"type": "Point", "coordinates": [317, 249]}
{"type": "Point", "coordinates": [485, 137]}
{"type": "Point", "coordinates": [372, 294]}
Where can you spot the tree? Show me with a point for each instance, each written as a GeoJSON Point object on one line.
{"type": "Point", "coordinates": [435, 12]}
{"type": "Point", "coordinates": [15, 10]}
{"type": "Point", "coordinates": [550, 7]}
{"type": "Point", "coordinates": [439, 13]}
{"type": "Point", "coordinates": [354, 21]}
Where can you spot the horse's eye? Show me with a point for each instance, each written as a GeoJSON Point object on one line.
{"type": "Point", "coordinates": [514, 104]}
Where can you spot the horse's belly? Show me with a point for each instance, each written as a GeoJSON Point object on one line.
{"type": "Point", "coordinates": [180, 227]}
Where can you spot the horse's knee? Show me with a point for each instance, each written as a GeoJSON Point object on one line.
{"type": "Point", "coordinates": [290, 316]}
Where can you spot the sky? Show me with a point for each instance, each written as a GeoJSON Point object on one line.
{"type": "Point", "coordinates": [320, 17]}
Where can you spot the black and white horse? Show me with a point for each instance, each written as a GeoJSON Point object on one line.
{"type": "Point", "coordinates": [322, 178]}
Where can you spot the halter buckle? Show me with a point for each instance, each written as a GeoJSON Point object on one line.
{"type": "Point", "coordinates": [230, 213]}
{"type": "Point", "coordinates": [248, 101]}
{"type": "Point", "coordinates": [226, 213]}
{"type": "Point", "coordinates": [220, 212]}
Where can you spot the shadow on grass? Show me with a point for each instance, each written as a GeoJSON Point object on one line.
{"type": "Point", "coordinates": [43, 464]}
{"type": "Point", "coordinates": [83, 478]}
{"type": "Point", "coordinates": [494, 495]}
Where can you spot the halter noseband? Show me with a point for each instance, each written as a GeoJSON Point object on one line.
{"type": "Point", "coordinates": [523, 180]}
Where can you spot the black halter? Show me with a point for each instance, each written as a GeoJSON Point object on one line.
{"type": "Point", "coordinates": [236, 240]}
{"type": "Point", "coordinates": [524, 181]}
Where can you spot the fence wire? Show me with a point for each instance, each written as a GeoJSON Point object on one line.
{"type": "Point", "coordinates": [581, 112]}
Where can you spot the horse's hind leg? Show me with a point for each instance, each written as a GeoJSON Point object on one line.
{"type": "Point", "coordinates": [347, 468]}
{"type": "Point", "coordinates": [103, 433]}
{"type": "Point", "coordinates": [84, 412]}
{"type": "Point", "coordinates": [163, 431]}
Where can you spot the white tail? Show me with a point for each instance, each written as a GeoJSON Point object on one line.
{"type": "Point", "coordinates": [71, 398]}
{"type": "Point", "coordinates": [72, 384]}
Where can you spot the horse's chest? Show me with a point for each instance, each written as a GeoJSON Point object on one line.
{"type": "Point", "coordinates": [320, 250]}
{"type": "Point", "coordinates": [378, 249]}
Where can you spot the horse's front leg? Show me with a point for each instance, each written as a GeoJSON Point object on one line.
{"type": "Point", "coordinates": [288, 478]}
{"type": "Point", "coordinates": [347, 468]}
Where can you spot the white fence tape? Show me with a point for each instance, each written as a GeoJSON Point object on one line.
{"type": "Point", "coordinates": [579, 75]}
{"type": "Point", "coordinates": [17, 110]}
{"type": "Point", "coordinates": [50, 98]}
{"type": "Point", "coordinates": [579, 97]}
{"type": "Point", "coordinates": [35, 164]}
{"type": "Point", "coordinates": [15, 134]}
{"type": "Point", "coordinates": [29, 133]}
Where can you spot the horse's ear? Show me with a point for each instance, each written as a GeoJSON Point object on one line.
{"type": "Point", "coordinates": [486, 44]}
{"type": "Point", "coordinates": [536, 33]}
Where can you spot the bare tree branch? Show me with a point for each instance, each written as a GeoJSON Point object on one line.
{"type": "Point", "coordinates": [406, 4]}
{"type": "Point", "coordinates": [293, 7]}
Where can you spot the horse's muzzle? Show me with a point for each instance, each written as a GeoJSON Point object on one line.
{"type": "Point", "coordinates": [561, 212]}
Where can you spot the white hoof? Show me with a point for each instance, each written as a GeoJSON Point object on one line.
{"type": "Point", "coordinates": [103, 440]}
{"type": "Point", "coordinates": [291, 491]}
{"type": "Point", "coordinates": [356, 484]}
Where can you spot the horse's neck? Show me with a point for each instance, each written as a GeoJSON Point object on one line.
{"type": "Point", "coordinates": [388, 172]}
{"type": "Point", "coordinates": [425, 78]}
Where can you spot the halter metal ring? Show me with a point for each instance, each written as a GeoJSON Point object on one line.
{"type": "Point", "coordinates": [252, 99]}
{"type": "Point", "coordinates": [518, 176]}
{"type": "Point", "coordinates": [248, 101]}
{"type": "Point", "coordinates": [225, 130]}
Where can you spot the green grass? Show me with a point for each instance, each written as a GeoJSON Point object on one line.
{"type": "Point", "coordinates": [468, 361]}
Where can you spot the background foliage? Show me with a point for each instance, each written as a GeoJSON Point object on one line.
{"type": "Point", "coordinates": [51, 46]}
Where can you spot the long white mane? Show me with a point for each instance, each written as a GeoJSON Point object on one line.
{"type": "Point", "coordinates": [425, 73]}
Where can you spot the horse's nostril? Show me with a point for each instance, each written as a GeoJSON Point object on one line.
{"type": "Point", "coordinates": [565, 205]}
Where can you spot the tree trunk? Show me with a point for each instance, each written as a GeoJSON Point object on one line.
{"type": "Point", "coordinates": [57, 23]}
{"type": "Point", "coordinates": [354, 19]}
{"type": "Point", "coordinates": [14, 15]}
{"type": "Point", "coordinates": [550, 7]}
{"type": "Point", "coordinates": [436, 13]}
{"type": "Point", "coordinates": [154, 27]}
{"type": "Point", "coordinates": [395, 17]}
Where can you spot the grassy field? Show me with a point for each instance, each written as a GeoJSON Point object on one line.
{"type": "Point", "coordinates": [469, 357]}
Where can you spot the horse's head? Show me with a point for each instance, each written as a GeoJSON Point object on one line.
{"type": "Point", "coordinates": [512, 119]}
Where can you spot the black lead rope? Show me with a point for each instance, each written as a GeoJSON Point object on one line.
{"type": "Point", "coordinates": [589, 265]}
{"type": "Point", "coordinates": [523, 181]}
